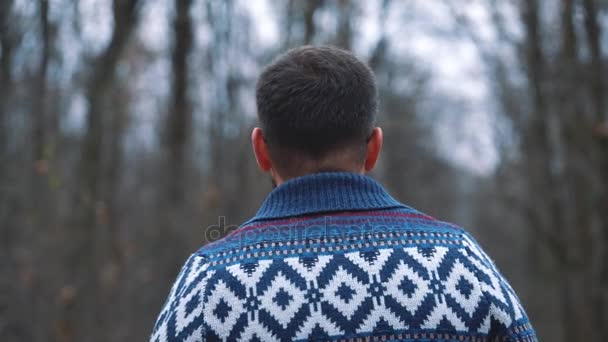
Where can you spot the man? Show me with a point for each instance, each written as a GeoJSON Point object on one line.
{"type": "Point", "coordinates": [330, 255]}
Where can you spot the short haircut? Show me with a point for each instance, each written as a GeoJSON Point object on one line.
{"type": "Point", "coordinates": [315, 100]}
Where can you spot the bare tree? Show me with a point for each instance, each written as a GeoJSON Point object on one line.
{"type": "Point", "coordinates": [39, 109]}
{"type": "Point", "coordinates": [7, 43]}
{"type": "Point", "coordinates": [86, 256]}
{"type": "Point", "coordinates": [179, 116]}
{"type": "Point", "coordinates": [597, 90]}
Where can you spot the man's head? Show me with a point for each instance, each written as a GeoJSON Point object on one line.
{"type": "Point", "coordinates": [317, 108]}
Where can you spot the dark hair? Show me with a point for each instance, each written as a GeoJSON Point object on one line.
{"type": "Point", "coordinates": [314, 100]}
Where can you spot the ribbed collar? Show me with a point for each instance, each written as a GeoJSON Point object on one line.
{"type": "Point", "coordinates": [325, 192]}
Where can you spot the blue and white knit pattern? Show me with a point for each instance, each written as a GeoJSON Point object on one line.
{"type": "Point", "coordinates": [367, 268]}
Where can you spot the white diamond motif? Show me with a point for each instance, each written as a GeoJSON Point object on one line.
{"type": "Point", "coordinates": [182, 318]}
{"type": "Point", "coordinates": [223, 327]}
{"type": "Point", "coordinates": [346, 307]}
{"type": "Point", "coordinates": [283, 314]}
{"type": "Point", "coordinates": [410, 301]}
{"type": "Point", "coordinates": [460, 271]}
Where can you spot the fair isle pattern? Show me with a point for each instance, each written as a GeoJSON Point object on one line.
{"type": "Point", "coordinates": [377, 293]}
{"type": "Point", "coordinates": [387, 274]}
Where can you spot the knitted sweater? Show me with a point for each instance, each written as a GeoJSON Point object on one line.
{"type": "Point", "coordinates": [332, 256]}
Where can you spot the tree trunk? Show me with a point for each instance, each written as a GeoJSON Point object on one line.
{"type": "Point", "coordinates": [539, 156]}
{"type": "Point", "coordinates": [179, 116]}
{"type": "Point", "coordinates": [39, 110]}
{"type": "Point", "coordinates": [597, 91]}
{"type": "Point", "coordinates": [84, 257]}
{"type": "Point", "coordinates": [7, 45]}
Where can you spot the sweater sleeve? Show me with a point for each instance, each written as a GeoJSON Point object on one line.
{"type": "Point", "coordinates": [506, 319]}
{"type": "Point", "coordinates": [181, 317]}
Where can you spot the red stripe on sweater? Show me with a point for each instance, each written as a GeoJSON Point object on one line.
{"type": "Point", "coordinates": [342, 214]}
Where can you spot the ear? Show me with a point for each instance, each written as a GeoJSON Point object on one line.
{"type": "Point", "coordinates": [260, 150]}
{"type": "Point", "coordinates": [374, 146]}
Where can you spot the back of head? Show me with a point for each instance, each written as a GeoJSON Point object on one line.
{"type": "Point", "coordinates": [317, 107]}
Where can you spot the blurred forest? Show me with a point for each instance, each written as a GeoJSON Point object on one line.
{"type": "Point", "coordinates": [124, 133]}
